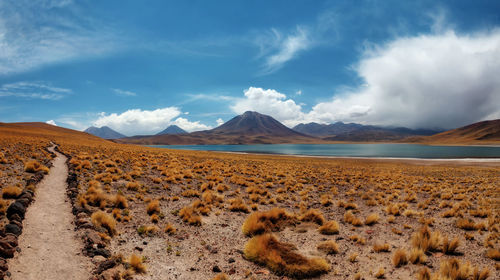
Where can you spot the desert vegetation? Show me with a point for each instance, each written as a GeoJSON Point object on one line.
{"type": "Point", "coordinates": [149, 212]}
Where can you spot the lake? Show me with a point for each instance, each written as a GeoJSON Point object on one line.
{"type": "Point", "coordinates": [354, 150]}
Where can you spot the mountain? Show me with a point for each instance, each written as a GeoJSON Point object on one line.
{"type": "Point", "coordinates": [104, 132]}
{"type": "Point", "coordinates": [340, 131]}
{"type": "Point", "coordinates": [248, 128]}
{"type": "Point", "coordinates": [172, 129]}
{"type": "Point", "coordinates": [484, 132]}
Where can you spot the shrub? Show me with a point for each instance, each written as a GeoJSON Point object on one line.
{"type": "Point", "coordinates": [372, 219]}
{"type": "Point", "coordinates": [426, 240]}
{"type": "Point", "coordinates": [11, 192]}
{"type": "Point", "coordinates": [381, 247]}
{"type": "Point", "coordinates": [313, 215]}
{"type": "Point", "coordinates": [136, 264]}
{"type": "Point", "coordinates": [399, 258]}
{"type": "Point", "coordinates": [449, 247]}
{"type": "Point", "coordinates": [330, 227]}
{"type": "Point", "coordinates": [272, 220]}
{"type": "Point", "coordinates": [329, 247]}
{"type": "Point", "coordinates": [153, 207]}
{"type": "Point", "coordinates": [282, 259]}
{"type": "Point", "coordinates": [101, 219]}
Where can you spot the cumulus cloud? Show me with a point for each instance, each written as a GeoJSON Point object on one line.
{"type": "Point", "coordinates": [219, 122]}
{"type": "Point", "coordinates": [441, 80]}
{"type": "Point", "coordinates": [190, 126]}
{"type": "Point", "coordinates": [269, 102]}
{"type": "Point", "coordinates": [33, 90]}
{"type": "Point", "coordinates": [137, 121]}
{"type": "Point", "coordinates": [51, 122]}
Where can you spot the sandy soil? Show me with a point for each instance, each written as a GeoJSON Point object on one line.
{"type": "Point", "coordinates": [49, 247]}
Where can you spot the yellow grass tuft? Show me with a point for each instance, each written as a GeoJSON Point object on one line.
{"type": "Point", "coordinates": [417, 256]}
{"type": "Point", "coordinates": [136, 264]}
{"type": "Point", "coordinates": [11, 192]}
{"type": "Point", "coordinates": [329, 247]}
{"type": "Point", "coordinates": [189, 215]}
{"type": "Point", "coordinates": [381, 247]}
{"type": "Point", "coordinates": [221, 276]}
{"type": "Point", "coordinates": [424, 274]}
{"type": "Point", "coordinates": [101, 219]}
{"type": "Point", "coordinates": [372, 219]}
{"type": "Point", "coordinates": [329, 228]}
{"type": "Point", "coordinates": [120, 201]}
{"type": "Point", "coordinates": [380, 273]}
{"type": "Point", "coordinates": [313, 215]}
{"type": "Point", "coordinates": [449, 247]}
{"type": "Point", "coordinates": [238, 205]}
{"type": "Point", "coordinates": [493, 254]}
{"type": "Point", "coordinates": [153, 207]}
{"type": "Point", "coordinates": [351, 219]}
{"type": "Point", "coordinates": [426, 240]}
{"type": "Point", "coordinates": [170, 229]}
{"type": "Point", "coordinates": [399, 258]}
{"type": "Point", "coordinates": [282, 259]}
{"type": "Point", "coordinates": [34, 166]}
{"type": "Point", "coordinates": [272, 220]}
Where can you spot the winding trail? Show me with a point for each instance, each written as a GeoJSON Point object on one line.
{"type": "Point", "coordinates": [49, 247]}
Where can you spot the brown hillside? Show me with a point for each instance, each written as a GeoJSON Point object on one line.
{"type": "Point", "coordinates": [484, 133]}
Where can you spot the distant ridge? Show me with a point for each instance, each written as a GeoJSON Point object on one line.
{"type": "Point", "coordinates": [172, 129]}
{"type": "Point", "coordinates": [484, 132]}
{"type": "Point", "coordinates": [340, 131]}
{"type": "Point", "coordinates": [104, 132]}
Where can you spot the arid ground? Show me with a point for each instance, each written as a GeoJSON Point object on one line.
{"type": "Point", "coordinates": [147, 213]}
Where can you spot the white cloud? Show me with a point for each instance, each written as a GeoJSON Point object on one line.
{"type": "Point", "coordinates": [219, 122]}
{"type": "Point", "coordinates": [33, 90]}
{"type": "Point", "coordinates": [51, 122]}
{"type": "Point", "coordinates": [287, 48]}
{"type": "Point", "coordinates": [145, 122]}
{"type": "Point", "coordinates": [269, 102]}
{"type": "Point", "coordinates": [123, 92]}
{"type": "Point", "coordinates": [190, 126]}
{"type": "Point", "coordinates": [33, 34]}
{"type": "Point", "coordinates": [298, 92]}
{"type": "Point", "coordinates": [443, 80]}
{"type": "Point", "coordinates": [427, 81]}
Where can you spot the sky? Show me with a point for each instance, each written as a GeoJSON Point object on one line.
{"type": "Point", "coordinates": [139, 66]}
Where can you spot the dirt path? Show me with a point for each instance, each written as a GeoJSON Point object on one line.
{"type": "Point", "coordinates": [49, 248]}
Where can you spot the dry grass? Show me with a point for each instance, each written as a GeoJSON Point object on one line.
{"type": "Point", "coordinates": [312, 215]}
{"type": "Point", "coordinates": [329, 228]}
{"type": "Point", "coordinates": [34, 166]}
{"type": "Point", "coordinates": [272, 220]}
{"type": "Point", "coordinates": [282, 258]}
{"type": "Point", "coordinates": [190, 216]}
{"type": "Point", "coordinates": [102, 220]}
{"type": "Point", "coordinates": [329, 247]}
{"type": "Point", "coordinates": [493, 254]}
{"type": "Point", "coordinates": [381, 247]}
{"type": "Point", "coordinates": [372, 219]}
{"type": "Point", "coordinates": [351, 219]}
{"type": "Point", "coordinates": [399, 258]}
{"type": "Point", "coordinates": [450, 247]}
{"type": "Point", "coordinates": [426, 240]}
{"type": "Point", "coordinates": [136, 264]}
{"type": "Point", "coordinates": [153, 207]}
{"type": "Point", "coordinates": [380, 274]}
{"type": "Point", "coordinates": [417, 256]}
{"type": "Point", "coordinates": [11, 192]}
{"type": "Point", "coordinates": [221, 276]}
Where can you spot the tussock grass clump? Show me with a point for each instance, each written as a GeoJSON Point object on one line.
{"type": "Point", "coordinates": [493, 254]}
{"type": "Point", "coordinates": [221, 276]}
{"type": "Point", "coordinates": [170, 229]}
{"type": "Point", "coordinates": [329, 228]}
{"type": "Point", "coordinates": [282, 259]}
{"type": "Point", "coordinates": [313, 215]}
{"type": "Point", "coordinates": [380, 273]}
{"type": "Point", "coordinates": [272, 220]}
{"type": "Point", "coordinates": [120, 201]}
{"type": "Point", "coordinates": [372, 219]}
{"type": "Point", "coordinates": [426, 240]}
{"type": "Point", "coordinates": [238, 205]}
{"type": "Point", "coordinates": [102, 220]}
{"type": "Point", "coordinates": [417, 256]}
{"type": "Point", "coordinates": [351, 219]}
{"type": "Point", "coordinates": [329, 247]}
{"type": "Point", "coordinates": [399, 258]}
{"type": "Point", "coordinates": [34, 166]}
{"type": "Point", "coordinates": [136, 264]}
{"type": "Point", "coordinates": [453, 269]}
{"type": "Point", "coordinates": [153, 207]}
{"type": "Point", "coordinates": [424, 274]}
{"type": "Point", "coordinates": [449, 247]}
{"type": "Point", "coordinates": [377, 247]}
{"type": "Point", "coordinates": [468, 224]}
{"type": "Point", "coordinates": [189, 215]}
{"type": "Point", "coordinates": [11, 192]}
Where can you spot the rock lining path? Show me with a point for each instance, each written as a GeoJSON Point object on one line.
{"type": "Point", "coordinates": [49, 247]}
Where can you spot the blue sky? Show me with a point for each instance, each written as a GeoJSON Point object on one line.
{"type": "Point", "coordinates": [140, 66]}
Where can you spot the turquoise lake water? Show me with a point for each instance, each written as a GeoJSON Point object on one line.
{"type": "Point", "coordinates": [354, 150]}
